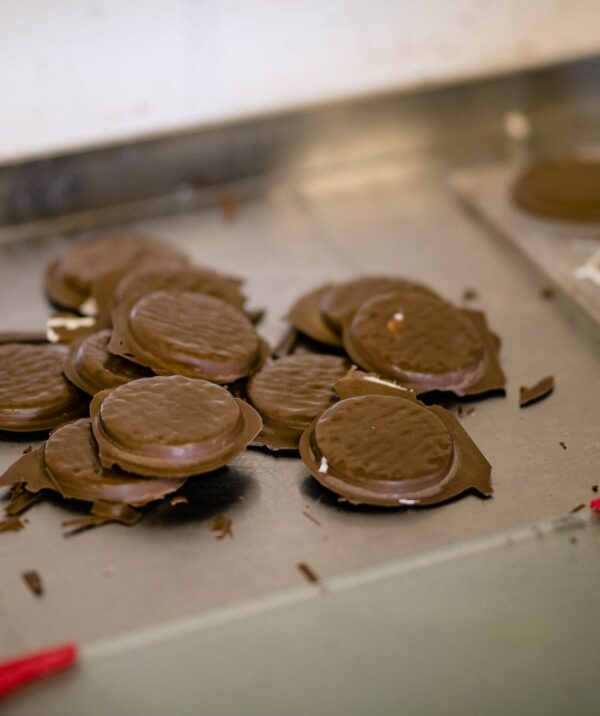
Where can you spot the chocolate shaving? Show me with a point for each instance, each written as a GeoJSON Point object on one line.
{"type": "Point", "coordinates": [29, 448]}
{"type": "Point", "coordinates": [539, 391]}
{"type": "Point", "coordinates": [21, 500]}
{"type": "Point", "coordinates": [34, 582]}
{"type": "Point", "coordinates": [308, 572]}
{"type": "Point", "coordinates": [221, 526]}
{"type": "Point", "coordinates": [563, 445]}
{"type": "Point", "coordinates": [580, 506]}
{"type": "Point", "coordinates": [311, 518]}
{"type": "Point", "coordinates": [11, 524]}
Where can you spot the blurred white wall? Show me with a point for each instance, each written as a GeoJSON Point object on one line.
{"type": "Point", "coordinates": [79, 73]}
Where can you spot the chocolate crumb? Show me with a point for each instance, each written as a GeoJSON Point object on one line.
{"type": "Point", "coordinates": [594, 488]}
{"type": "Point", "coordinates": [539, 391]}
{"type": "Point", "coordinates": [230, 205]}
{"type": "Point", "coordinates": [563, 445]}
{"type": "Point", "coordinates": [465, 411]}
{"type": "Point", "coordinates": [311, 518]}
{"type": "Point", "coordinates": [11, 524]}
{"type": "Point", "coordinates": [221, 526]}
{"type": "Point", "coordinates": [547, 292]}
{"type": "Point", "coordinates": [34, 582]}
{"type": "Point", "coordinates": [178, 500]}
{"type": "Point", "coordinates": [573, 540]}
{"type": "Point", "coordinates": [308, 572]}
{"type": "Point", "coordinates": [580, 506]}
{"type": "Point", "coordinates": [469, 294]}
{"type": "Point", "coordinates": [29, 448]}
{"type": "Point", "coordinates": [461, 410]}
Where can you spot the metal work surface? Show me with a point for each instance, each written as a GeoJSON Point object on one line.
{"type": "Point", "coordinates": [381, 215]}
{"type": "Point", "coordinates": [499, 626]}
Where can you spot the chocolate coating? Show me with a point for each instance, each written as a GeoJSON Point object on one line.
{"type": "Point", "coordinates": [92, 368]}
{"type": "Point", "coordinates": [180, 332]}
{"type": "Point", "coordinates": [34, 393]}
{"type": "Point", "coordinates": [423, 342]}
{"type": "Point", "coordinates": [567, 189]}
{"type": "Point", "coordinates": [290, 393]}
{"type": "Point", "coordinates": [389, 451]}
{"type": "Point", "coordinates": [69, 278]}
{"type": "Point", "coordinates": [343, 299]}
{"type": "Point", "coordinates": [171, 426]}
{"type": "Point", "coordinates": [305, 316]}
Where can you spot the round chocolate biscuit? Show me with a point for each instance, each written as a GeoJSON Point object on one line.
{"type": "Point", "coordinates": [185, 333]}
{"type": "Point", "coordinates": [343, 299]}
{"type": "Point", "coordinates": [419, 340]}
{"type": "Point", "coordinates": [34, 393]}
{"type": "Point", "coordinates": [69, 278]}
{"type": "Point", "coordinates": [380, 450]}
{"type": "Point", "coordinates": [71, 460]}
{"type": "Point", "coordinates": [171, 426]}
{"type": "Point", "coordinates": [92, 368]}
{"type": "Point", "coordinates": [567, 189]}
{"type": "Point", "coordinates": [305, 316]}
{"type": "Point", "coordinates": [137, 284]}
{"type": "Point", "coordinates": [290, 393]}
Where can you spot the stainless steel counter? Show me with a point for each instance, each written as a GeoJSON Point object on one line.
{"type": "Point", "coordinates": [375, 214]}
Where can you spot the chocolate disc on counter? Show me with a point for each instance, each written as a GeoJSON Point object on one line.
{"type": "Point", "coordinates": [171, 426]}
{"type": "Point", "coordinates": [34, 393]}
{"type": "Point", "coordinates": [389, 451]}
{"type": "Point", "coordinates": [421, 341]}
{"type": "Point", "coordinates": [92, 368]}
{"type": "Point", "coordinates": [343, 299]}
{"type": "Point", "coordinates": [567, 189]}
{"type": "Point", "coordinates": [68, 464]}
{"type": "Point", "coordinates": [185, 333]}
{"type": "Point", "coordinates": [305, 316]}
{"type": "Point", "coordinates": [290, 393]}
{"type": "Point", "coordinates": [70, 277]}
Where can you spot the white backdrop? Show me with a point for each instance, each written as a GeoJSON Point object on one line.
{"type": "Point", "coordinates": [77, 73]}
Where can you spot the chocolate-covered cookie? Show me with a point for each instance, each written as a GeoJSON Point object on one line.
{"type": "Point", "coordinates": [389, 451]}
{"type": "Point", "coordinates": [305, 316]}
{"type": "Point", "coordinates": [421, 341]}
{"type": "Point", "coordinates": [70, 277]}
{"type": "Point", "coordinates": [185, 333]}
{"type": "Point", "coordinates": [68, 464]}
{"type": "Point", "coordinates": [92, 368]}
{"type": "Point", "coordinates": [290, 393]}
{"type": "Point", "coordinates": [171, 426]}
{"type": "Point", "coordinates": [341, 300]}
{"type": "Point", "coordinates": [34, 393]}
{"type": "Point", "coordinates": [567, 189]}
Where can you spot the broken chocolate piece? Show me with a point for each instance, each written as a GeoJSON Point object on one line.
{"type": "Point", "coordinates": [185, 333]}
{"type": "Point", "coordinates": [34, 393]}
{"type": "Point", "coordinates": [92, 368]}
{"type": "Point", "coordinates": [563, 445]}
{"type": "Point", "coordinates": [389, 451]}
{"type": "Point", "coordinates": [69, 278]}
{"type": "Point", "coordinates": [577, 508]}
{"type": "Point", "coordinates": [221, 526]}
{"type": "Point", "coordinates": [11, 524]}
{"type": "Point", "coordinates": [567, 189]}
{"type": "Point", "coordinates": [171, 426]}
{"type": "Point", "coordinates": [308, 572]}
{"type": "Point", "coordinates": [33, 580]}
{"type": "Point", "coordinates": [342, 300]}
{"type": "Point", "coordinates": [68, 463]}
{"type": "Point", "coordinates": [290, 393]}
{"type": "Point", "coordinates": [424, 343]}
{"type": "Point", "coordinates": [305, 316]}
{"type": "Point", "coordinates": [539, 391]}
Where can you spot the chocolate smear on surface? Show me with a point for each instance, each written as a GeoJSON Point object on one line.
{"type": "Point", "coordinates": [34, 393]}
{"type": "Point", "coordinates": [33, 580]}
{"type": "Point", "coordinates": [308, 572]}
{"type": "Point", "coordinates": [171, 427]}
{"type": "Point", "coordinates": [542, 389]}
{"type": "Point", "coordinates": [221, 526]}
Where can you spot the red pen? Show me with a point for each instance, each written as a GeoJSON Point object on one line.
{"type": "Point", "coordinates": [30, 667]}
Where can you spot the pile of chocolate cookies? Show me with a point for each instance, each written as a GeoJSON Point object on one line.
{"type": "Point", "coordinates": [165, 378]}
